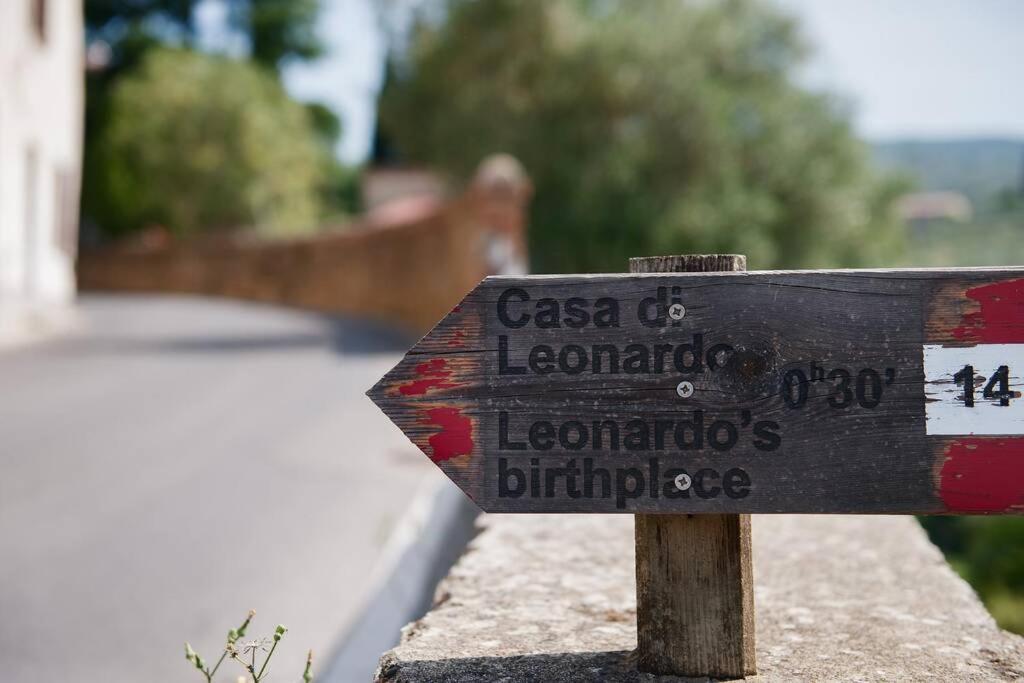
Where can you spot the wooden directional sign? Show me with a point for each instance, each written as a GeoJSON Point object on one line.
{"type": "Point", "coordinates": [863, 391]}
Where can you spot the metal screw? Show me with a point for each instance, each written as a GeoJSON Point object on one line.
{"type": "Point", "coordinates": [683, 482]}
{"type": "Point", "coordinates": [684, 389]}
{"type": "Point", "coordinates": [676, 311]}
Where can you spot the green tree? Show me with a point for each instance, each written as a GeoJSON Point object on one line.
{"type": "Point", "coordinates": [276, 30]}
{"type": "Point", "coordinates": [988, 552]}
{"type": "Point", "coordinates": [279, 29]}
{"type": "Point", "coordinates": [654, 127]}
{"type": "Point", "coordinates": [197, 142]}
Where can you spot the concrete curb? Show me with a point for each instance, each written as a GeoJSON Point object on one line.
{"type": "Point", "coordinates": [426, 542]}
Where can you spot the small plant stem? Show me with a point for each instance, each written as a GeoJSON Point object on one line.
{"type": "Point", "coordinates": [252, 668]}
{"type": "Point", "coordinates": [213, 671]}
{"type": "Point", "coordinates": [267, 661]}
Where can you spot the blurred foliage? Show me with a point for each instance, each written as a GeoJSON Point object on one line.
{"type": "Point", "coordinates": [340, 187]}
{"type": "Point", "coordinates": [202, 150]}
{"type": "Point", "coordinates": [648, 128]}
{"type": "Point", "coordinates": [274, 29]}
{"type": "Point", "coordinates": [279, 29]}
{"type": "Point", "coordinates": [194, 142]}
{"type": "Point", "coordinates": [989, 553]}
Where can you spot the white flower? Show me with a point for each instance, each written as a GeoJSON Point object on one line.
{"type": "Point", "coordinates": [258, 644]}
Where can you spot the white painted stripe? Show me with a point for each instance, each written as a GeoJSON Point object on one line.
{"type": "Point", "coordinates": [945, 408]}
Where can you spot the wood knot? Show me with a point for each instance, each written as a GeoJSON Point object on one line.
{"type": "Point", "coordinates": [749, 372]}
{"type": "Point", "coordinates": [749, 364]}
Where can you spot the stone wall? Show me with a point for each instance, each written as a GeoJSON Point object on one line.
{"type": "Point", "coordinates": [837, 598]}
{"type": "Point", "coordinates": [408, 261]}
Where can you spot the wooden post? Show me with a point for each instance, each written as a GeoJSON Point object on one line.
{"type": "Point", "coordinates": [694, 584]}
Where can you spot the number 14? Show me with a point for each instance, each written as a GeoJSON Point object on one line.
{"type": "Point", "coordinates": [1000, 377]}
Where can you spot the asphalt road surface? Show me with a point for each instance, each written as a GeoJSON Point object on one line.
{"type": "Point", "coordinates": [176, 461]}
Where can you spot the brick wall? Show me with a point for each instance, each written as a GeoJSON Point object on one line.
{"type": "Point", "coordinates": [408, 262]}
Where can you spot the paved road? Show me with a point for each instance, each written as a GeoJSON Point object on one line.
{"type": "Point", "coordinates": [176, 461]}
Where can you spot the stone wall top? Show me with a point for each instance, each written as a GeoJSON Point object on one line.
{"type": "Point", "coordinates": [552, 597]}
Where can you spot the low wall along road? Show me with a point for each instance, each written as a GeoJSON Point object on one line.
{"type": "Point", "coordinates": [408, 262]}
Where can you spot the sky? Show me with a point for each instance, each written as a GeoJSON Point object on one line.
{"type": "Point", "coordinates": [909, 68]}
{"type": "Point", "coordinates": [920, 68]}
{"type": "Point", "coordinates": [349, 77]}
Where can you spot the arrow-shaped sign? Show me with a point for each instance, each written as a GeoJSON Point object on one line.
{"type": "Point", "coordinates": [860, 391]}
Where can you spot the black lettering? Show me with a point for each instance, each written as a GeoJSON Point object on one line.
{"type": "Point", "coordinates": [659, 356]}
{"type": "Point", "coordinates": [660, 305]}
{"type": "Point", "coordinates": [698, 483]}
{"type": "Point", "coordinates": [519, 295]}
{"type": "Point", "coordinates": [817, 373]}
{"type": "Point", "coordinates": [736, 483]}
{"type": "Point", "coordinates": [998, 386]}
{"type": "Point", "coordinates": [661, 427]}
{"type": "Point", "coordinates": [576, 313]}
{"type": "Point", "coordinates": [639, 362]}
{"type": "Point", "coordinates": [965, 376]}
{"type": "Point", "coordinates": [581, 359]}
{"type": "Point", "coordinates": [693, 428]}
{"type": "Point", "coordinates": [868, 376]}
{"type": "Point", "coordinates": [565, 431]}
{"type": "Point", "coordinates": [551, 476]}
{"type": "Point", "coordinates": [503, 443]}
{"type": "Point", "coordinates": [503, 366]}
{"type": "Point", "coordinates": [546, 316]}
{"type": "Point", "coordinates": [542, 359]}
{"type": "Point", "coordinates": [637, 436]}
{"type": "Point", "coordinates": [589, 472]}
{"type": "Point", "coordinates": [730, 435]}
{"type": "Point", "coordinates": [606, 312]}
{"type": "Point", "coordinates": [505, 474]}
{"type": "Point", "coordinates": [794, 381]}
{"type": "Point", "coordinates": [613, 434]}
{"type": "Point", "coordinates": [622, 492]}
{"type": "Point", "coordinates": [768, 438]}
{"type": "Point", "coordinates": [841, 396]}
{"type": "Point", "coordinates": [571, 472]}
{"type": "Point", "coordinates": [613, 357]}
{"type": "Point", "coordinates": [542, 436]}
{"type": "Point", "coordinates": [695, 351]}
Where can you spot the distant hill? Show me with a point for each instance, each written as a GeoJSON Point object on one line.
{"type": "Point", "coordinates": [977, 167]}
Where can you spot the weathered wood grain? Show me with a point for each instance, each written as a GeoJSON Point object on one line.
{"type": "Point", "coordinates": [694, 573]}
{"type": "Point", "coordinates": [695, 595]}
{"type": "Point", "coordinates": [829, 362]}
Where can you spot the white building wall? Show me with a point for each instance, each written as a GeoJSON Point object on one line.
{"type": "Point", "coordinates": [41, 119]}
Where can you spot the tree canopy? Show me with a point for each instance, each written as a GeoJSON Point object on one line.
{"type": "Point", "coordinates": [648, 128]}
{"type": "Point", "coordinates": [275, 29]}
{"type": "Point", "coordinates": [197, 142]}
{"type": "Point", "coordinates": [124, 99]}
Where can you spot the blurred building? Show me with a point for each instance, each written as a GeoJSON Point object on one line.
{"type": "Point", "coordinates": [920, 208]}
{"type": "Point", "coordinates": [41, 110]}
{"type": "Point", "coordinates": [384, 184]}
